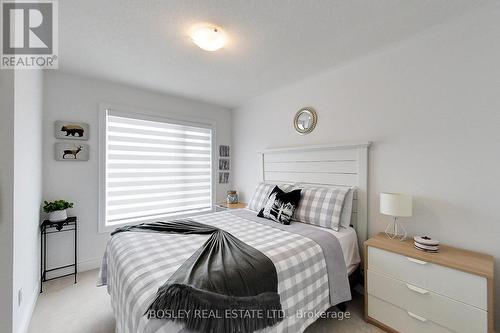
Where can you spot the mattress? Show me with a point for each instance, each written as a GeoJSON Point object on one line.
{"type": "Point", "coordinates": [349, 242]}
{"type": "Point", "coordinates": [135, 264]}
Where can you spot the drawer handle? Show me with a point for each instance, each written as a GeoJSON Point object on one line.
{"type": "Point", "coordinates": [417, 289]}
{"type": "Point", "coordinates": [416, 261]}
{"type": "Point", "coordinates": [422, 319]}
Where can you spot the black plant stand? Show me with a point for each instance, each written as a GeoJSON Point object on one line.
{"type": "Point", "coordinates": [47, 228]}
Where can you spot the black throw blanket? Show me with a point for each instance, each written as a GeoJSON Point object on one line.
{"type": "Point", "coordinates": [225, 286]}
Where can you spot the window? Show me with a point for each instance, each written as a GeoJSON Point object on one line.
{"type": "Point", "coordinates": [153, 168]}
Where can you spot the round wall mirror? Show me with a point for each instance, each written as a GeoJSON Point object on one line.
{"type": "Point", "coordinates": [305, 120]}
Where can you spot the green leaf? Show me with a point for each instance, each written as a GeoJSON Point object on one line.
{"type": "Point", "coordinates": [53, 206]}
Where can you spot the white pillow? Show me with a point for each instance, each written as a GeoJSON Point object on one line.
{"type": "Point", "coordinates": [346, 212]}
{"type": "Point", "coordinates": [345, 217]}
{"type": "Point", "coordinates": [321, 206]}
{"type": "Point", "coordinates": [262, 192]}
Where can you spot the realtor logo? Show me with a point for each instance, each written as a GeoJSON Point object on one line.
{"type": "Point", "coordinates": [29, 34]}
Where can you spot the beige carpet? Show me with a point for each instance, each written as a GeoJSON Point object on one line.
{"type": "Point", "coordinates": [65, 307]}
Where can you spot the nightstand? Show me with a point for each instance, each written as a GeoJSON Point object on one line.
{"type": "Point", "coordinates": [225, 206]}
{"type": "Point", "coordinates": [411, 291]}
{"type": "Point", "coordinates": [46, 228]}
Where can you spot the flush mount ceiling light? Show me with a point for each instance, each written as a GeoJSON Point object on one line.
{"type": "Point", "coordinates": [208, 37]}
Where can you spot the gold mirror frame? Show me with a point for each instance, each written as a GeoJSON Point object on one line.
{"type": "Point", "coordinates": [314, 120]}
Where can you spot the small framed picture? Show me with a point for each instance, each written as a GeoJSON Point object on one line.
{"type": "Point", "coordinates": [223, 177]}
{"type": "Point", "coordinates": [71, 152]}
{"type": "Point", "coordinates": [223, 151]}
{"type": "Point", "coordinates": [71, 130]}
{"type": "Point", "coordinates": [223, 164]}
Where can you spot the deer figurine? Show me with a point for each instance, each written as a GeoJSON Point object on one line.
{"type": "Point", "coordinates": [72, 152]}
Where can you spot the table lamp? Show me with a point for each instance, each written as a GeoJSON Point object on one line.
{"type": "Point", "coordinates": [396, 205]}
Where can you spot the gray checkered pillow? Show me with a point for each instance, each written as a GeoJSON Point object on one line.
{"type": "Point", "coordinates": [321, 206]}
{"type": "Point", "coordinates": [261, 193]}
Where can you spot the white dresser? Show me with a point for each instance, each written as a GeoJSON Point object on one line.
{"type": "Point", "coordinates": [410, 291]}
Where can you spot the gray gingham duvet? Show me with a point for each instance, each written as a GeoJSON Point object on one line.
{"type": "Point", "coordinates": [311, 271]}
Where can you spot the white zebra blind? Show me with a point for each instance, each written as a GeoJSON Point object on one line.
{"type": "Point", "coordinates": [155, 169]}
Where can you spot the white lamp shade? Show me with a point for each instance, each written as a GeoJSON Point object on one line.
{"type": "Point", "coordinates": [396, 204]}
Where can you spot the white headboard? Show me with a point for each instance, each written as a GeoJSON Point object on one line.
{"type": "Point", "coordinates": [343, 164]}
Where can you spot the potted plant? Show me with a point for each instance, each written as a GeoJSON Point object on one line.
{"type": "Point", "coordinates": [57, 210]}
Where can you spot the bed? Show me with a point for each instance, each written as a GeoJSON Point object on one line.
{"type": "Point", "coordinates": [136, 264]}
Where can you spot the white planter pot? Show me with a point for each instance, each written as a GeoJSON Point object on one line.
{"type": "Point", "coordinates": [58, 215]}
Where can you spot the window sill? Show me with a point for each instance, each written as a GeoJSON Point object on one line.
{"type": "Point", "coordinates": [104, 229]}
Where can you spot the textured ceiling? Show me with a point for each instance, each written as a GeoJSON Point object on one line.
{"type": "Point", "coordinates": [272, 42]}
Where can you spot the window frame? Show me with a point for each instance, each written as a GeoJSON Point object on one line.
{"type": "Point", "coordinates": [152, 116]}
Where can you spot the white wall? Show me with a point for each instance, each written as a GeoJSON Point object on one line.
{"type": "Point", "coordinates": [21, 96]}
{"type": "Point", "coordinates": [431, 106]}
{"type": "Point", "coordinates": [75, 98]}
{"type": "Point", "coordinates": [28, 104]}
{"type": "Point", "coordinates": [6, 196]}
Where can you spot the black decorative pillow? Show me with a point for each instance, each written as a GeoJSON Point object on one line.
{"type": "Point", "coordinates": [280, 205]}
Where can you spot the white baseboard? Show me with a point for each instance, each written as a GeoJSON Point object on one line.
{"type": "Point", "coordinates": [83, 265]}
{"type": "Point", "coordinates": [88, 265]}
{"type": "Point", "coordinates": [25, 322]}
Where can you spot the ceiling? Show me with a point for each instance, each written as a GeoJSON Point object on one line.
{"type": "Point", "coordinates": [272, 42]}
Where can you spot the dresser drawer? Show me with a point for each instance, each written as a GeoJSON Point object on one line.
{"type": "Point", "coordinates": [442, 310]}
{"type": "Point", "coordinates": [401, 320]}
{"type": "Point", "coordinates": [464, 287]}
